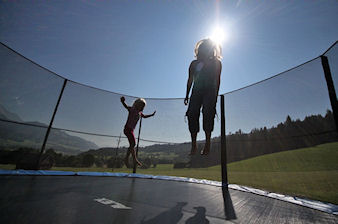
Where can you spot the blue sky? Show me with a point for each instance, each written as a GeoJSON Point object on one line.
{"type": "Point", "coordinates": [144, 48]}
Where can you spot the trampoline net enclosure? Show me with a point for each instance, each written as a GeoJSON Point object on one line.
{"type": "Point", "coordinates": [280, 133]}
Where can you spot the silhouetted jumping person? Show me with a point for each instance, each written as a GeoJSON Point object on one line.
{"type": "Point", "coordinates": [134, 114]}
{"type": "Point", "coordinates": [205, 75]}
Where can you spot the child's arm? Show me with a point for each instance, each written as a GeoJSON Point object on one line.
{"type": "Point", "coordinates": [189, 82]}
{"type": "Point", "coordinates": [149, 115]}
{"type": "Point", "coordinates": [219, 70]}
{"type": "Point", "coordinates": [124, 103]}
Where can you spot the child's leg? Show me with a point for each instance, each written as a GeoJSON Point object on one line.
{"type": "Point", "coordinates": [193, 143]}
{"type": "Point", "coordinates": [135, 157]}
{"type": "Point", "coordinates": [209, 111]}
{"type": "Point", "coordinates": [206, 149]}
{"type": "Point", "coordinates": [132, 142]}
{"type": "Point", "coordinates": [193, 114]}
{"type": "Point", "coordinates": [131, 139]}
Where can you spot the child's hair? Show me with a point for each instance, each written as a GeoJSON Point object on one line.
{"type": "Point", "coordinates": [207, 48]}
{"type": "Point", "coordinates": [140, 102]}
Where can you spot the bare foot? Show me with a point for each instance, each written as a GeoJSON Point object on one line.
{"type": "Point", "coordinates": [193, 147]}
{"type": "Point", "coordinates": [137, 162]}
{"type": "Point", "coordinates": [193, 150]}
{"type": "Point", "coordinates": [135, 158]}
{"type": "Point", "coordinates": [206, 150]}
{"type": "Point", "coordinates": [193, 144]}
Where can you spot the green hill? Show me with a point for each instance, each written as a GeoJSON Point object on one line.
{"type": "Point", "coordinates": [309, 172]}
{"type": "Point", "coordinates": [318, 158]}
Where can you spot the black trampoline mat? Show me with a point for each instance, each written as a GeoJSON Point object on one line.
{"type": "Point", "coordinates": [84, 199]}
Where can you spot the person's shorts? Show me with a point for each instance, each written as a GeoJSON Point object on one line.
{"type": "Point", "coordinates": [207, 100]}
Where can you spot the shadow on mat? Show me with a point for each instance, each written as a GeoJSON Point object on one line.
{"type": "Point", "coordinates": [173, 215]}
{"type": "Point", "coordinates": [229, 210]}
{"type": "Point", "coordinates": [199, 217]}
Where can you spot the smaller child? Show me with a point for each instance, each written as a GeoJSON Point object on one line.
{"type": "Point", "coordinates": [134, 114]}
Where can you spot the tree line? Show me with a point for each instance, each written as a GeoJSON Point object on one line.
{"type": "Point", "coordinates": [288, 135]}
{"type": "Point", "coordinates": [26, 158]}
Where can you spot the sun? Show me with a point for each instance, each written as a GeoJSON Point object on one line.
{"type": "Point", "coordinates": [218, 35]}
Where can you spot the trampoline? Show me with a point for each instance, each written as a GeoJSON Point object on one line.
{"type": "Point", "coordinates": [93, 199]}
{"type": "Point", "coordinates": [83, 123]}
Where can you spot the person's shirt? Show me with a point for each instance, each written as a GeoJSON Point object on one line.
{"type": "Point", "coordinates": [133, 117]}
{"type": "Point", "coordinates": [206, 74]}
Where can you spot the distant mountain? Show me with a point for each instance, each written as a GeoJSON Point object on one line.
{"type": "Point", "coordinates": [5, 114]}
{"type": "Point", "coordinates": [106, 151]}
{"type": "Point", "coordinates": [179, 149]}
{"type": "Point", "coordinates": [17, 135]}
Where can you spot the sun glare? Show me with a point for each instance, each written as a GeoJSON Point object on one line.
{"type": "Point", "coordinates": [218, 35]}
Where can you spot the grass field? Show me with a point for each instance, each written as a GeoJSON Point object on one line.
{"type": "Point", "coordinates": [309, 172]}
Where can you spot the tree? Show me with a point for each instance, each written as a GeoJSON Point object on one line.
{"type": "Point", "coordinates": [115, 162]}
{"type": "Point", "coordinates": [288, 121]}
{"type": "Point", "coordinates": [88, 160]}
{"type": "Point", "coordinates": [147, 163]}
{"type": "Point", "coordinates": [99, 162]}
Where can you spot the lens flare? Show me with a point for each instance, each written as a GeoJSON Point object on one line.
{"type": "Point", "coordinates": [218, 35]}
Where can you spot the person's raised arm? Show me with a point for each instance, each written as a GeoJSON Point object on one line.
{"type": "Point", "coordinates": [219, 70]}
{"type": "Point", "coordinates": [189, 83]}
{"type": "Point", "coordinates": [149, 115]}
{"type": "Point", "coordinates": [124, 103]}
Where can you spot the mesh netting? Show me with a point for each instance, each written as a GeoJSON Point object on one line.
{"type": "Point", "coordinates": [332, 55]}
{"type": "Point", "coordinates": [281, 134]}
{"type": "Point", "coordinates": [28, 95]}
{"type": "Point", "coordinates": [27, 91]}
{"type": "Point", "coordinates": [289, 108]}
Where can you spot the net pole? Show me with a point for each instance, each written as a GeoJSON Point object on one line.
{"type": "Point", "coordinates": [50, 125]}
{"type": "Point", "coordinates": [138, 141]}
{"type": "Point", "coordinates": [223, 147]}
{"type": "Point", "coordinates": [331, 89]}
{"type": "Point", "coordinates": [116, 153]}
{"type": "Point", "coordinates": [118, 145]}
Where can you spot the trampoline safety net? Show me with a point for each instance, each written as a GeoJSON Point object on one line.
{"type": "Point", "coordinates": [281, 133]}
